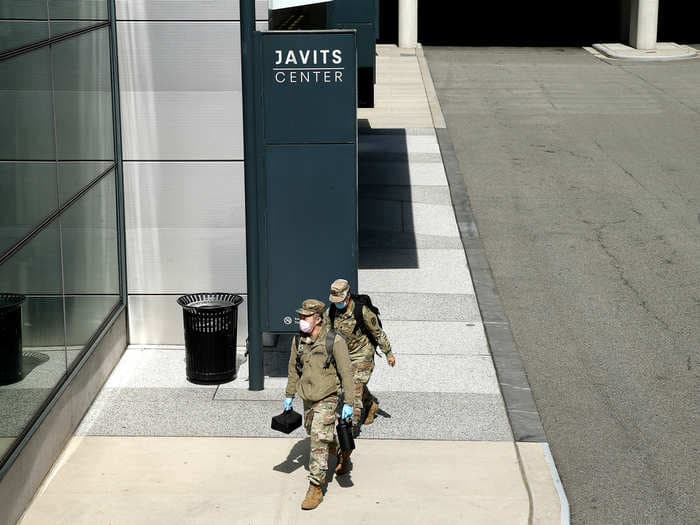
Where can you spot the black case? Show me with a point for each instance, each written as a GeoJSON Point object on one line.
{"type": "Point", "coordinates": [345, 438]}
{"type": "Point", "coordinates": [287, 422]}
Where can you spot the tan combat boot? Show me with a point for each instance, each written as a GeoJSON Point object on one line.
{"type": "Point", "coordinates": [344, 466]}
{"type": "Point", "coordinates": [371, 412]}
{"type": "Point", "coordinates": [314, 497]}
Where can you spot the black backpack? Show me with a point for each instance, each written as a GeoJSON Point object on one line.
{"type": "Point", "coordinates": [360, 300]}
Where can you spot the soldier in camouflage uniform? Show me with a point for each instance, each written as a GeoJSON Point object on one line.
{"type": "Point", "coordinates": [361, 347]}
{"type": "Point", "coordinates": [317, 381]}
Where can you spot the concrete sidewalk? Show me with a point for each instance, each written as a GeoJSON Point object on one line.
{"type": "Point", "coordinates": [157, 449]}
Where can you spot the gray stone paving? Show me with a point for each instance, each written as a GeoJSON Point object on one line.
{"type": "Point", "coordinates": [241, 413]}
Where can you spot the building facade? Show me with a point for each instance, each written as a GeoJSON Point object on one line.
{"type": "Point", "coordinates": [121, 178]}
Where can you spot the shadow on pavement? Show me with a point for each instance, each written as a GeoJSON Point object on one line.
{"type": "Point", "coordinates": [345, 480]}
{"type": "Point", "coordinates": [384, 199]}
{"type": "Point", "coordinates": [298, 457]}
{"type": "Point", "coordinates": [31, 360]}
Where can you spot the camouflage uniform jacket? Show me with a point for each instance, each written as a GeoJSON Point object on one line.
{"type": "Point", "coordinates": [359, 345]}
{"type": "Point", "coordinates": [316, 382]}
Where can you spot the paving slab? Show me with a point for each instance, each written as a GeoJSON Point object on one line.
{"type": "Point", "coordinates": [415, 217]}
{"type": "Point", "coordinates": [436, 338]}
{"type": "Point", "coordinates": [432, 219]}
{"type": "Point", "coordinates": [202, 480]}
{"type": "Point", "coordinates": [400, 172]}
{"type": "Point", "coordinates": [435, 271]}
{"type": "Point", "coordinates": [547, 503]}
{"type": "Point", "coordinates": [422, 307]}
{"type": "Point", "coordinates": [153, 367]}
{"type": "Point", "coordinates": [370, 238]}
{"type": "Point", "coordinates": [400, 192]}
{"type": "Point", "coordinates": [403, 415]}
{"type": "Point", "coordinates": [397, 143]}
{"type": "Point", "coordinates": [431, 373]}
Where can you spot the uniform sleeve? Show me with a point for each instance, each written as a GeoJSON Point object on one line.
{"type": "Point", "coordinates": [344, 369]}
{"type": "Point", "coordinates": [372, 324]}
{"type": "Point", "coordinates": [292, 376]}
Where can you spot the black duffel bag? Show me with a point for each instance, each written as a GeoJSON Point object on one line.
{"type": "Point", "coordinates": [287, 422]}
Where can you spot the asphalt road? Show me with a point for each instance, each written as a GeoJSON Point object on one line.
{"type": "Point", "coordinates": [584, 177]}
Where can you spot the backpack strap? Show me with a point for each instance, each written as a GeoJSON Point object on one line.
{"type": "Point", "coordinates": [332, 312]}
{"type": "Point", "coordinates": [298, 365]}
{"type": "Point", "coordinates": [330, 340]}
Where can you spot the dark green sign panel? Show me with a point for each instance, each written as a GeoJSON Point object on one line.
{"type": "Point", "coordinates": [309, 86]}
{"type": "Point", "coordinates": [360, 15]}
{"type": "Point", "coordinates": [308, 167]}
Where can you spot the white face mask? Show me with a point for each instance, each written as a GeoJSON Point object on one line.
{"type": "Point", "coordinates": [305, 326]}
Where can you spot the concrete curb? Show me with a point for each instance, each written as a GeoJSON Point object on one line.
{"type": "Point", "coordinates": [515, 388]}
{"type": "Point", "coordinates": [435, 109]}
{"type": "Point", "coordinates": [664, 52]}
{"type": "Point", "coordinates": [512, 379]}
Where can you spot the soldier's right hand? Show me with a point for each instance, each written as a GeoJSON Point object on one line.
{"type": "Point", "coordinates": [288, 403]}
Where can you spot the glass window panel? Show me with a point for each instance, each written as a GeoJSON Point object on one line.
{"type": "Point", "coordinates": [74, 176]}
{"type": "Point", "coordinates": [26, 126]}
{"type": "Point", "coordinates": [18, 33]}
{"type": "Point", "coordinates": [28, 193]}
{"type": "Point", "coordinates": [36, 268]}
{"type": "Point", "coordinates": [24, 9]}
{"type": "Point", "coordinates": [90, 261]}
{"type": "Point", "coordinates": [67, 26]}
{"type": "Point", "coordinates": [34, 271]}
{"type": "Point", "coordinates": [78, 9]}
{"type": "Point", "coordinates": [83, 97]}
{"type": "Point", "coordinates": [42, 323]}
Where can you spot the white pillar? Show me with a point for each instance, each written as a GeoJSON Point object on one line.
{"type": "Point", "coordinates": [644, 24]}
{"type": "Point", "coordinates": [408, 23]}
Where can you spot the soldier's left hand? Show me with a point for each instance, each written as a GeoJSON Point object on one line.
{"type": "Point", "coordinates": [391, 360]}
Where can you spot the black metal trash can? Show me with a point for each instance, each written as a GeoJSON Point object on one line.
{"type": "Point", "coordinates": [210, 321]}
{"type": "Point", "coordinates": [11, 338]}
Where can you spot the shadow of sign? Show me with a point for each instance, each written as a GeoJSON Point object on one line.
{"type": "Point", "coordinates": [387, 236]}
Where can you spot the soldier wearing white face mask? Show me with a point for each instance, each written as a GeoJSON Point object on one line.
{"type": "Point", "coordinates": [316, 373]}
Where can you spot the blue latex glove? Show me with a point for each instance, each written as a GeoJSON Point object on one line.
{"type": "Point", "coordinates": [347, 412]}
{"type": "Point", "coordinates": [288, 403]}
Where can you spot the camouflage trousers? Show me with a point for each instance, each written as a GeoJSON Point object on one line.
{"type": "Point", "coordinates": [319, 422]}
{"type": "Point", "coordinates": [362, 397]}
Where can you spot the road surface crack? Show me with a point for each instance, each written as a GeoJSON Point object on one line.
{"type": "Point", "coordinates": [617, 265]}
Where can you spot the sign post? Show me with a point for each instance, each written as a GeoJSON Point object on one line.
{"type": "Point", "coordinates": [254, 345]}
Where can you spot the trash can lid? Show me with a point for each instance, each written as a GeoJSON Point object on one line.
{"type": "Point", "coordinates": [11, 300]}
{"type": "Point", "coordinates": [210, 303]}
{"type": "Point", "coordinates": [209, 300]}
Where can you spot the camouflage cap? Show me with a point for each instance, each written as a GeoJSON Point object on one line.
{"type": "Point", "coordinates": [310, 307]}
{"type": "Point", "coordinates": [339, 290]}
